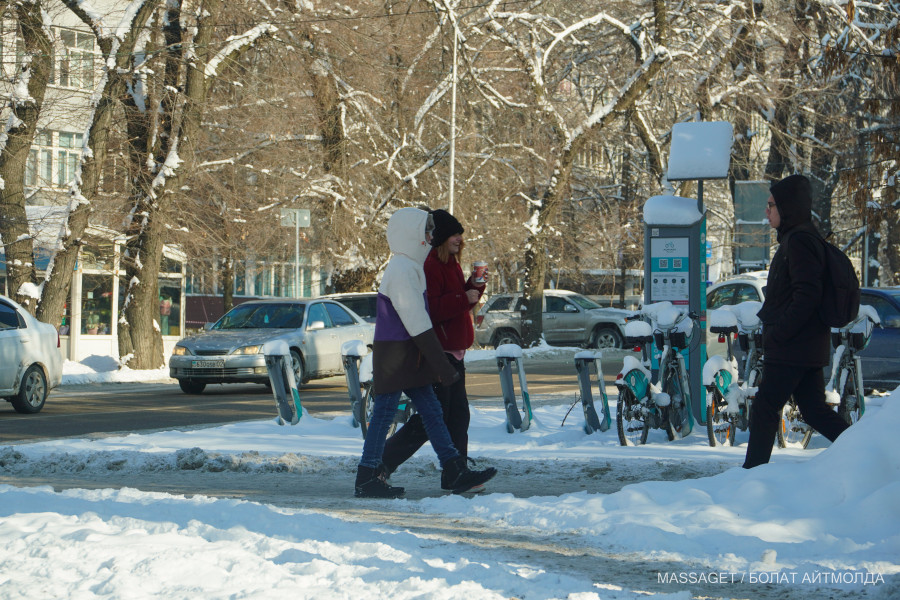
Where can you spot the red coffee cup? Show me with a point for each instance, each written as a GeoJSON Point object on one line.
{"type": "Point", "coordinates": [479, 267]}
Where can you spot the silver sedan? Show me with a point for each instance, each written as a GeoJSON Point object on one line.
{"type": "Point", "coordinates": [30, 359]}
{"type": "Point", "coordinates": [231, 350]}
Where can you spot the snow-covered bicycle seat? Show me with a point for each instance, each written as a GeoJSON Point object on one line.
{"type": "Point", "coordinates": [746, 315]}
{"type": "Point", "coordinates": [722, 320]}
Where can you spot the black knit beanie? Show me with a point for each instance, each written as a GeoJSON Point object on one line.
{"type": "Point", "coordinates": [445, 225]}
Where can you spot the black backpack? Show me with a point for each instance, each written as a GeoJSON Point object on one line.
{"type": "Point", "coordinates": [840, 293]}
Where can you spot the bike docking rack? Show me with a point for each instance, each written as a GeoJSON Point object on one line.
{"type": "Point", "coordinates": [666, 403]}
{"type": "Point", "coordinates": [844, 390]}
{"type": "Point", "coordinates": [352, 354]}
{"type": "Point", "coordinates": [726, 403]}
{"type": "Point", "coordinates": [507, 354]}
{"type": "Point", "coordinates": [592, 421]}
{"type": "Point", "coordinates": [281, 377]}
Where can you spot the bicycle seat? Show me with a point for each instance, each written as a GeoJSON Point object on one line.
{"type": "Point", "coordinates": [722, 320]}
{"type": "Point", "coordinates": [746, 315]}
{"type": "Point", "coordinates": [638, 333]}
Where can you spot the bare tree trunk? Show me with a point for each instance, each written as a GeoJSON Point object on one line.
{"type": "Point", "coordinates": [34, 70]}
{"type": "Point", "coordinates": [162, 133]}
{"type": "Point", "coordinates": [228, 281]}
{"type": "Point", "coordinates": [891, 275]}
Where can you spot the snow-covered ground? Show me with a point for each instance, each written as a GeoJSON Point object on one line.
{"type": "Point", "coordinates": [257, 510]}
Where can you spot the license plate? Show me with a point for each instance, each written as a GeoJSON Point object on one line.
{"type": "Point", "coordinates": [208, 364]}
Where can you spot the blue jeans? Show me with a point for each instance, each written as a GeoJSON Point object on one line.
{"type": "Point", "coordinates": [428, 407]}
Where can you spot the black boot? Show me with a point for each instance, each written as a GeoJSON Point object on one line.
{"type": "Point", "coordinates": [370, 484]}
{"type": "Point", "coordinates": [457, 477]}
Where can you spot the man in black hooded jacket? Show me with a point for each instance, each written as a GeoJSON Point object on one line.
{"type": "Point", "coordinates": [796, 342]}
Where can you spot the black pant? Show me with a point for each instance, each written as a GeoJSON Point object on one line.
{"type": "Point", "coordinates": [411, 436]}
{"type": "Point", "coordinates": [779, 381]}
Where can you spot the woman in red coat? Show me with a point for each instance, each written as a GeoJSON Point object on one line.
{"type": "Point", "coordinates": [450, 300]}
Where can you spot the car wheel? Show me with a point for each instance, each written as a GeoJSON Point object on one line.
{"type": "Point", "coordinates": [189, 386]}
{"type": "Point", "coordinates": [298, 368]}
{"type": "Point", "coordinates": [606, 337]}
{"type": "Point", "coordinates": [506, 336]}
{"type": "Point", "coordinates": [32, 391]}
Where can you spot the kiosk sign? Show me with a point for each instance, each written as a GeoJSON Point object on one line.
{"type": "Point", "coordinates": [670, 270]}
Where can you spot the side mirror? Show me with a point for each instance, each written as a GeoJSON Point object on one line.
{"type": "Point", "coordinates": [315, 326]}
{"type": "Point", "coordinates": [570, 309]}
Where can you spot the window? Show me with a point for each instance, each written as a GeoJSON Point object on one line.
{"type": "Point", "coordinates": [720, 297]}
{"type": "Point", "coordinates": [169, 306]}
{"type": "Point", "coordinates": [339, 316]}
{"type": "Point", "coordinates": [9, 318]}
{"type": "Point", "coordinates": [76, 62]}
{"type": "Point", "coordinates": [500, 303]}
{"type": "Point", "coordinates": [53, 151]}
{"type": "Point", "coordinates": [39, 166]}
{"type": "Point", "coordinates": [745, 293]}
{"type": "Point", "coordinates": [68, 156]}
{"type": "Point", "coordinates": [555, 304]}
{"type": "Point", "coordinates": [96, 304]}
{"type": "Point", "coordinates": [317, 312]}
{"type": "Point", "coordinates": [292, 318]}
{"type": "Point", "coordinates": [886, 311]}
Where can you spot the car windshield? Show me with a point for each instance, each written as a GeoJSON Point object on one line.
{"type": "Point", "coordinates": [262, 316]}
{"type": "Point", "coordinates": [583, 301]}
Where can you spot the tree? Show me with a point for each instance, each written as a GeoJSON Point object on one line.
{"type": "Point", "coordinates": [23, 109]}
{"type": "Point", "coordinates": [548, 51]}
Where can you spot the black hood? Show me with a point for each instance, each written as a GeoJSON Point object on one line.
{"type": "Point", "coordinates": [793, 197]}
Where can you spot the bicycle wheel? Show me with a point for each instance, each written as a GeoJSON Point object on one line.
{"type": "Point", "coordinates": [365, 410]}
{"type": "Point", "coordinates": [404, 411]}
{"type": "Point", "coordinates": [793, 430]}
{"type": "Point", "coordinates": [631, 421]}
{"type": "Point", "coordinates": [719, 425]}
{"type": "Point", "coordinates": [848, 409]}
{"type": "Point", "coordinates": [673, 417]}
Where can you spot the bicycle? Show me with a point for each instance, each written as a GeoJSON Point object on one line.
{"type": "Point", "coordinates": [844, 390]}
{"type": "Point", "coordinates": [357, 362]}
{"type": "Point", "coordinates": [730, 392]}
{"type": "Point", "coordinates": [665, 404]}
{"type": "Point", "coordinates": [846, 372]}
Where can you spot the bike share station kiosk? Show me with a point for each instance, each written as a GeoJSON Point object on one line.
{"type": "Point", "coordinates": [675, 267]}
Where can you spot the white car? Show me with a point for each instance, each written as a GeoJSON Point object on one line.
{"type": "Point", "coordinates": [30, 360]}
{"type": "Point", "coordinates": [741, 288]}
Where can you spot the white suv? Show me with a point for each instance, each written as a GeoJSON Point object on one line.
{"type": "Point", "coordinates": [744, 287]}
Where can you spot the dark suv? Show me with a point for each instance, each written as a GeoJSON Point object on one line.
{"type": "Point", "coordinates": [569, 319]}
{"type": "Point", "coordinates": [362, 303]}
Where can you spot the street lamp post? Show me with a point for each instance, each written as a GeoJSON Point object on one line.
{"type": "Point", "coordinates": [296, 218]}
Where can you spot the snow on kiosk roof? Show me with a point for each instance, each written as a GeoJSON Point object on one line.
{"type": "Point", "coordinates": [700, 150]}
{"type": "Point", "coordinates": [671, 210]}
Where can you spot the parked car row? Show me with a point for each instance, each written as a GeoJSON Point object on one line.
{"type": "Point", "coordinates": [230, 350]}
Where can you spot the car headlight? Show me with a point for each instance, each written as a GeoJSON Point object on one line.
{"type": "Point", "coordinates": [248, 350]}
{"type": "Point", "coordinates": [180, 351]}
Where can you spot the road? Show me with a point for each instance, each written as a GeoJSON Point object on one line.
{"type": "Point", "coordinates": [98, 409]}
